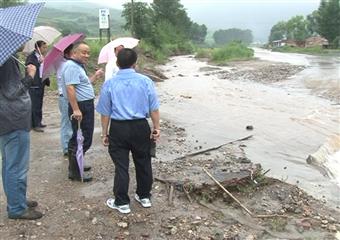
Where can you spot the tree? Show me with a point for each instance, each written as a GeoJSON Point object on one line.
{"type": "Point", "coordinates": [198, 32]}
{"type": "Point", "coordinates": [312, 24]}
{"type": "Point", "coordinates": [8, 3]}
{"type": "Point", "coordinates": [142, 15]}
{"type": "Point", "coordinates": [297, 28]}
{"type": "Point", "coordinates": [172, 12]}
{"type": "Point", "coordinates": [278, 31]}
{"type": "Point", "coordinates": [328, 19]}
{"type": "Point", "coordinates": [233, 34]}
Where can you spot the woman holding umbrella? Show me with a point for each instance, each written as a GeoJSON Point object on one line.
{"type": "Point", "coordinates": [37, 88]}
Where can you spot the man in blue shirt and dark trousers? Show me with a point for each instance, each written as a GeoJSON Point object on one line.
{"type": "Point", "coordinates": [125, 103]}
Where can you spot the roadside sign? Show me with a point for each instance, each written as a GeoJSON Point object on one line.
{"type": "Point", "coordinates": [104, 18]}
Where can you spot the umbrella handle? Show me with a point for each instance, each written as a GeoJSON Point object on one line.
{"type": "Point", "coordinates": [20, 62]}
{"type": "Point", "coordinates": [79, 121]}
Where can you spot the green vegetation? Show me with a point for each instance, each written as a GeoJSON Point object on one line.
{"type": "Point", "coordinates": [232, 52]}
{"type": "Point", "coordinates": [71, 22]}
{"type": "Point", "coordinates": [8, 3]}
{"type": "Point", "coordinates": [328, 21]}
{"type": "Point", "coordinates": [164, 27]}
{"type": "Point", "coordinates": [222, 37]}
{"type": "Point", "coordinates": [317, 50]}
{"type": "Point", "coordinates": [324, 22]}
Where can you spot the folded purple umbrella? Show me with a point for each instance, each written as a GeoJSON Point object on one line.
{"type": "Point", "coordinates": [80, 153]}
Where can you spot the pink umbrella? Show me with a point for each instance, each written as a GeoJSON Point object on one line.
{"type": "Point", "coordinates": [56, 54]}
{"type": "Point", "coordinates": [107, 53]}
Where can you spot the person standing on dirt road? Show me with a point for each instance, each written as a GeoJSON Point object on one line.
{"type": "Point", "coordinates": [80, 94]}
{"type": "Point", "coordinates": [37, 88]}
{"type": "Point", "coordinates": [15, 125]}
{"type": "Point", "coordinates": [125, 103]}
{"type": "Point", "coordinates": [111, 67]}
{"type": "Point", "coordinates": [65, 123]}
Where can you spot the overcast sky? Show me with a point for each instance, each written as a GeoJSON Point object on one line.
{"type": "Point", "coordinates": [256, 15]}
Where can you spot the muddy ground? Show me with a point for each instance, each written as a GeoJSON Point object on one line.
{"type": "Point", "coordinates": [77, 210]}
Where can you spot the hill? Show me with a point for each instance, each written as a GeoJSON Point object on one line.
{"type": "Point", "coordinates": [69, 17]}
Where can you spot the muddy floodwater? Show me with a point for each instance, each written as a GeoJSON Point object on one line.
{"type": "Point", "coordinates": [291, 119]}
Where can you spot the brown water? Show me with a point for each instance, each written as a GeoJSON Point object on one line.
{"type": "Point", "coordinates": [289, 121]}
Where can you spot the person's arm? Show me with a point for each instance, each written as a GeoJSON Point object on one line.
{"type": "Point", "coordinates": [155, 116]}
{"type": "Point", "coordinates": [105, 129]}
{"type": "Point", "coordinates": [104, 108]}
{"type": "Point", "coordinates": [71, 94]}
{"type": "Point", "coordinates": [12, 93]}
{"type": "Point", "coordinates": [98, 74]}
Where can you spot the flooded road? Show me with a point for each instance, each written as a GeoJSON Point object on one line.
{"type": "Point", "coordinates": [290, 122]}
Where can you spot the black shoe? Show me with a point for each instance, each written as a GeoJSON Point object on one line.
{"type": "Point", "coordinates": [87, 168]}
{"type": "Point", "coordinates": [85, 178]}
{"type": "Point", "coordinates": [38, 129]}
{"type": "Point", "coordinates": [29, 214]}
{"type": "Point", "coordinates": [31, 204]}
{"type": "Point", "coordinates": [42, 125]}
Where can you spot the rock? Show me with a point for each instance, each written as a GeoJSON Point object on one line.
{"type": "Point", "coordinates": [304, 224]}
{"type": "Point", "coordinates": [173, 230]}
{"type": "Point", "coordinates": [87, 214]}
{"type": "Point", "coordinates": [38, 223]}
{"type": "Point", "coordinates": [249, 127]}
{"type": "Point", "coordinates": [122, 224]}
{"type": "Point", "coordinates": [126, 233]}
{"type": "Point", "coordinates": [94, 221]}
{"type": "Point", "coordinates": [250, 237]}
{"type": "Point", "coordinates": [324, 221]}
{"type": "Point", "coordinates": [332, 228]}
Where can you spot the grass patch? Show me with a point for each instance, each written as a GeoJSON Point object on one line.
{"type": "Point", "coordinates": [232, 52]}
{"type": "Point", "coordinates": [317, 50]}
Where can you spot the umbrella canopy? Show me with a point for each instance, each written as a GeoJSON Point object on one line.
{"type": "Point", "coordinates": [44, 33]}
{"type": "Point", "coordinates": [16, 26]}
{"type": "Point", "coordinates": [80, 153]}
{"type": "Point", "coordinates": [54, 57]}
{"type": "Point", "coordinates": [107, 53]}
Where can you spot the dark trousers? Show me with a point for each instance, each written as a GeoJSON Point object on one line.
{"type": "Point", "coordinates": [87, 127]}
{"type": "Point", "coordinates": [37, 95]}
{"type": "Point", "coordinates": [134, 136]}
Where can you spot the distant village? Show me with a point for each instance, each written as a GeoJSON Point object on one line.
{"type": "Point", "coordinates": [308, 42]}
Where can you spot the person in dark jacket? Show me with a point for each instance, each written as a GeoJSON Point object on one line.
{"type": "Point", "coordinates": [15, 124]}
{"type": "Point", "coordinates": [37, 88]}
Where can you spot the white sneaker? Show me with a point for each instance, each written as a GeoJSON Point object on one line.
{"type": "Point", "coordinates": [145, 202]}
{"type": "Point", "coordinates": [121, 208]}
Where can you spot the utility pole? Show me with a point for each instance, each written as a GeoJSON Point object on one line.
{"type": "Point", "coordinates": [132, 20]}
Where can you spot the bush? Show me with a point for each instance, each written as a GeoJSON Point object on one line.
{"type": "Point", "coordinates": [203, 53]}
{"type": "Point", "coordinates": [232, 51]}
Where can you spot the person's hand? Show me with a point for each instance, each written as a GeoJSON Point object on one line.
{"type": "Point", "coordinates": [99, 73]}
{"type": "Point", "coordinates": [105, 140]}
{"type": "Point", "coordinates": [31, 69]}
{"type": "Point", "coordinates": [156, 133]}
{"type": "Point", "coordinates": [77, 115]}
{"type": "Point", "coordinates": [41, 58]}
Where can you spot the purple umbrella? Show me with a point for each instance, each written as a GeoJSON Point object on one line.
{"type": "Point", "coordinates": [56, 54]}
{"type": "Point", "coordinates": [80, 153]}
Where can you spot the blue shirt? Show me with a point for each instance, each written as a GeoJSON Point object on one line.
{"type": "Point", "coordinates": [127, 96]}
{"type": "Point", "coordinates": [74, 74]}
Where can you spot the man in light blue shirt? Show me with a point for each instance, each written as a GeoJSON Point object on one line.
{"type": "Point", "coordinates": [80, 94]}
{"type": "Point", "coordinates": [126, 101]}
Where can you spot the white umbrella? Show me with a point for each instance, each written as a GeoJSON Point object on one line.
{"type": "Point", "coordinates": [107, 53]}
{"type": "Point", "coordinates": [43, 33]}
